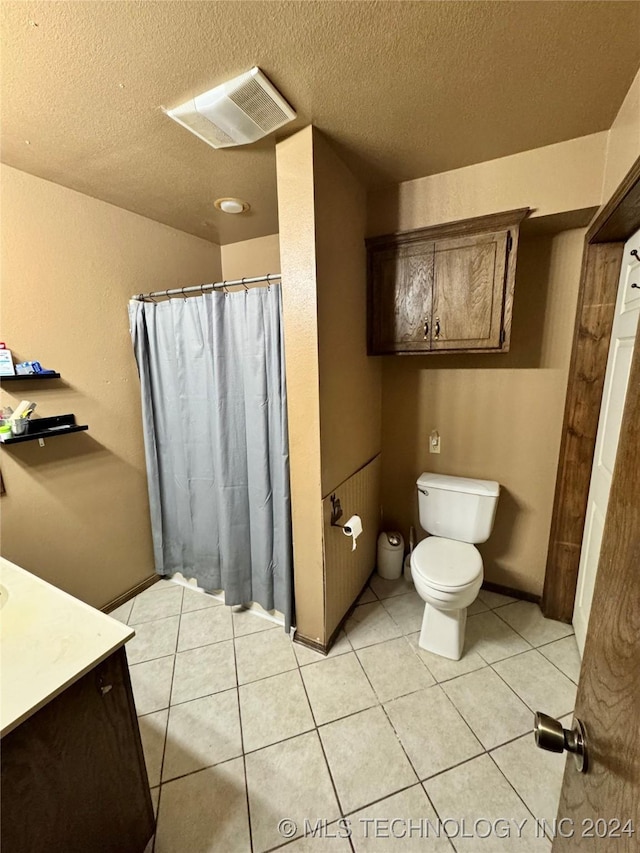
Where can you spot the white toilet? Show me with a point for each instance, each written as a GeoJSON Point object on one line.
{"type": "Point", "coordinates": [446, 568]}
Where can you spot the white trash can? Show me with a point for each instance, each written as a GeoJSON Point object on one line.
{"type": "Point", "coordinates": [390, 555]}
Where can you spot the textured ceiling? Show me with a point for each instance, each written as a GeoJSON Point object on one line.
{"type": "Point", "coordinates": [403, 89]}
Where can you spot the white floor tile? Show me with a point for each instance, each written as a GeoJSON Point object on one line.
{"type": "Point", "coordinates": [249, 622]}
{"type": "Point", "coordinates": [288, 780]}
{"type": "Point", "coordinates": [398, 824]}
{"type": "Point", "coordinates": [534, 773]}
{"type": "Point", "coordinates": [444, 669]}
{"type": "Point", "coordinates": [155, 796]}
{"type": "Point", "coordinates": [538, 683]}
{"type": "Point", "coordinates": [366, 760]}
{"type": "Point", "coordinates": [394, 669]}
{"type": "Point", "coordinates": [526, 618]}
{"type": "Point", "coordinates": [477, 791]}
{"type": "Point", "coordinates": [384, 588]}
{"type": "Point", "coordinates": [332, 839]}
{"type": "Point", "coordinates": [153, 640]}
{"type": "Point", "coordinates": [153, 728]}
{"type": "Point", "coordinates": [367, 596]}
{"type": "Point", "coordinates": [264, 654]}
{"type": "Point", "coordinates": [205, 812]}
{"type": "Point", "coordinates": [306, 655]}
{"type": "Point", "coordinates": [477, 606]}
{"type": "Point", "coordinates": [369, 624]}
{"type": "Point", "coordinates": [491, 638]}
{"type": "Point", "coordinates": [494, 599]}
{"type": "Point", "coordinates": [432, 732]}
{"type": "Point", "coordinates": [199, 672]}
{"type": "Point", "coordinates": [201, 733]}
{"type": "Point", "coordinates": [492, 710]}
{"type": "Point", "coordinates": [565, 655]}
{"type": "Point", "coordinates": [274, 709]}
{"type": "Point", "coordinates": [203, 627]}
{"type": "Point", "coordinates": [157, 602]}
{"type": "Point", "coordinates": [406, 611]}
{"type": "Point", "coordinates": [196, 599]}
{"type": "Point", "coordinates": [337, 687]}
{"type": "Point", "coordinates": [151, 683]}
{"type": "Point", "coordinates": [123, 612]}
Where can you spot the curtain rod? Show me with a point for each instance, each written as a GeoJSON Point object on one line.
{"type": "Point", "coordinates": [202, 288]}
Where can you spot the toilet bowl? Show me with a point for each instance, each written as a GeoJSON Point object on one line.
{"type": "Point", "coordinates": [446, 567]}
{"type": "Point", "coordinates": [447, 576]}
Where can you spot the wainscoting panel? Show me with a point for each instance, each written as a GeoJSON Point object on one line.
{"type": "Point", "coordinates": [346, 571]}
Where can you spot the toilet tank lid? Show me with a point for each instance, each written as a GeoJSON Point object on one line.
{"type": "Point", "coordinates": [489, 488]}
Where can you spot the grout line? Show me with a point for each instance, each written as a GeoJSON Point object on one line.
{"type": "Point", "coordinates": [166, 731]}
{"type": "Point", "coordinates": [317, 731]}
{"type": "Point", "coordinates": [513, 788]}
{"type": "Point", "coordinates": [244, 755]}
{"type": "Point", "coordinates": [436, 812]}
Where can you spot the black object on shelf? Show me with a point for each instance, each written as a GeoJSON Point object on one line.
{"type": "Point", "coordinates": [47, 428]}
{"type": "Point", "coordinates": [28, 377]}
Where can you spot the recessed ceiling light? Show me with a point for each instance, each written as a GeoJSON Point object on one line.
{"type": "Point", "coordinates": [232, 205]}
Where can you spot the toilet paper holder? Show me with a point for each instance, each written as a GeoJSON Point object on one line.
{"type": "Point", "coordinates": [336, 512]}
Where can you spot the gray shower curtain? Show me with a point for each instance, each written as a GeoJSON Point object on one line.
{"type": "Point", "coordinates": [215, 431]}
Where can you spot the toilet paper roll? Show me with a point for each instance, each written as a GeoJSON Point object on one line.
{"type": "Point", "coordinates": [353, 528]}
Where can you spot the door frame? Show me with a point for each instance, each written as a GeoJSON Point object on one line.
{"type": "Point", "coordinates": [612, 226]}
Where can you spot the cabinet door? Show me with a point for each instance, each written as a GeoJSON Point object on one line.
{"type": "Point", "coordinates": [400, 298]}
{"type": "Point", "coordinates": [73, 774]}
{"type": "Point", "coordinates": [469, 292]}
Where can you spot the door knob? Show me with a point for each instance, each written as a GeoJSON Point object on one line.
{"type": "Point", "coordinates": [550, 735]}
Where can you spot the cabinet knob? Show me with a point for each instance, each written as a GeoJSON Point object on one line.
{"type": "Point", "coordinates": [437, 328]}
{"type": "Point", "coordinates": [426, 328]}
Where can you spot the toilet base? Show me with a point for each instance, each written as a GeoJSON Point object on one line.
{"type": "Point", "coordinates": [443, 631]}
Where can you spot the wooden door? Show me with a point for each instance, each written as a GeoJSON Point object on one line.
{"type": "Point", "coordinates": [601, 801]}
{"type": "Point", "coordinates": [400, 308]}
{"type": "Point", "coordinates": [469, 291]}
{"type": "Point", "coordinates": [625, 322]}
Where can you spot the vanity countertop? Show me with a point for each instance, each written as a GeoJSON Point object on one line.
{"type": "Point", "coordinates": [48, 640]}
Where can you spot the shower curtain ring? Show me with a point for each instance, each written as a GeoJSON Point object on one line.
{"type": "Point", "coordinates": [246, 289]}
{"type": "Point", "coordinates": [183, 294]}
{"type": "Point", "coordinates": [224, 287]}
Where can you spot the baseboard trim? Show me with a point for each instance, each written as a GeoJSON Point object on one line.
{"type": "Point", "coordinates": [127, 596]}
{"type": "Point", "coordinates": [490, 586]}
{"type": "Point", "coordinates": [325, 648]}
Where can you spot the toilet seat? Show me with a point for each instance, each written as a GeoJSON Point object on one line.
{"type": "Point", "coordinates": [446, 564]}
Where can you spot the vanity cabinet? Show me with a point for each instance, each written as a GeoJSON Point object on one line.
{"type": "Point", "coordinates": [73, 774]}
{"type": "Point", "coordinates": [448, 288]}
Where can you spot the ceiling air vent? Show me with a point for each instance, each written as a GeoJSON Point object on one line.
{"type": "Point", "coordinates": [237, 112]}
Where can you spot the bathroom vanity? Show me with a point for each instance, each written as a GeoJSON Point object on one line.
{"type": "Point", "coordinates": [73, 772]}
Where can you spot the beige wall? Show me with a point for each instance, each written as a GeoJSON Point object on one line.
{"type": "Point", "coordinates": [333, 389]}
{"type": "Point", "coordinates": [499, 416]}
{"type": "Point", "coordinates": [76, 511]}
{"type": "Point", "coordinates": [296, 217]}
{"type": "Point", "coordinates": [350, 382]}
{"type": "Point", "coordinates": [251, 257]}
{"type": "Point", "coordinates": [551, 180]}
{"type": "Point", "coordinates": [623, 142]}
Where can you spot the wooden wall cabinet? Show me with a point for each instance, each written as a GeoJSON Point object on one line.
{"type": "Point", "coordinates": [448, 288]}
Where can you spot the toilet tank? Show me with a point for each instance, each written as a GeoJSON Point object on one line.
{"type": "Point", "coordinates": [457, 507]}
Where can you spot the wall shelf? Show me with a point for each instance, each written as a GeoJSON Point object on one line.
{"type": "Point", "coordinates": [42, 428]}
{"type": "Point", "coordinates": [28, 377]}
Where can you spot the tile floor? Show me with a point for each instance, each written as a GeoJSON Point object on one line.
{"type": "Point", "coordinates": [242, 729]}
